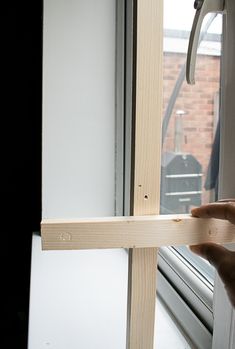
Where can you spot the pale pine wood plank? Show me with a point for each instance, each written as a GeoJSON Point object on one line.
{"type": "Point", "coordinates": [141, 297]}
{"type": "Point", "coordinates": [147, 155]}
{"type": "Point", "coordinates": [136, 231]}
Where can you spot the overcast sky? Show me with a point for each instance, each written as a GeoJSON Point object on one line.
{"type": "Point", "coordinates": [179, 15]}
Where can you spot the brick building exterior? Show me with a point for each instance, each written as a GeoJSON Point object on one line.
{"type": "Point", "coordinates": [199, 102]}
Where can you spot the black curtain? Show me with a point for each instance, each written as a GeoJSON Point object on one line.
{"type": "Point", "coordinates": [21, 101]}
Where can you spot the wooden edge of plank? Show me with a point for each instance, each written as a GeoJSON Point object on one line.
{"type": "Point", "coordinates": [134, 232]}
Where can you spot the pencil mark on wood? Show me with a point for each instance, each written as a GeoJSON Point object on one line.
{"type": "Point", "coordinates": [65, 237]}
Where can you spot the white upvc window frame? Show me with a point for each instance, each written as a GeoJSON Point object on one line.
{"type": "Point", "coordinates": [224, 314]}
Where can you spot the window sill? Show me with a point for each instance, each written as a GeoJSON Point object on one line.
{"type": "Point", "coordinates": [79, 299]}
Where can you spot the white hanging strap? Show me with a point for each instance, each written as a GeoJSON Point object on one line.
{"type": "Point", "coordinates": [203, 7]}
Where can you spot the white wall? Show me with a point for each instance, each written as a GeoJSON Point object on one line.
{"type": "Point", "coordinates": [78, 108]}
{"type": "Point", "coordinates": [78, 298]}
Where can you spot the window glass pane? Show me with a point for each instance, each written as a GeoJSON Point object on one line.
{"type": "Point", "coordinates": [190, 149]}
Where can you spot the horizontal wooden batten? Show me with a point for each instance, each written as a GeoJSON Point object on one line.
{"type": "Point", "coordinates": [133, 232]}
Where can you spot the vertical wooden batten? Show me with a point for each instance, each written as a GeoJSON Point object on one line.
{"type": "Point", "coordinates": [146, 168]}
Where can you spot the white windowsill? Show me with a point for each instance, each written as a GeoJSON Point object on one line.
{"type": "Point", "coordinates": [78, 300]}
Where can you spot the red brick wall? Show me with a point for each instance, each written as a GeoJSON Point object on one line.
{"type": "Point", "coordinates": [198, 103]}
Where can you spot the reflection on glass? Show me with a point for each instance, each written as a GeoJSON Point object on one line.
{"type": "Point", "coordinates": [190, 123]}
{"type": "Point", "coordinates": [190, 134]}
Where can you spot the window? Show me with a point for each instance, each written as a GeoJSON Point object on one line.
{"type": "Point", "coordinates": [195, 290]}
{"type": "Point", "coordinates": [186, 283]}
{"type": "Point", "coordinates": [190, 150]}
{"type": "Point", "coordinates": [191, 133]}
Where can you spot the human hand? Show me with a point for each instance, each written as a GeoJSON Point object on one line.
{"type": "Point", "coordinates": [221, 258]}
